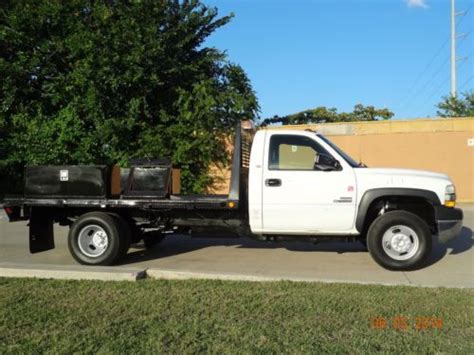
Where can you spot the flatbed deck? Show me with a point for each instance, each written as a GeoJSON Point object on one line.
{"type": "Point", "coordinates": [174, 201]}
{"type": "Point", "coordinates": [149, 202]}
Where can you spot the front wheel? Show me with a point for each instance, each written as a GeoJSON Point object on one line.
{"type": "Point", "coordinates": [399, 240]}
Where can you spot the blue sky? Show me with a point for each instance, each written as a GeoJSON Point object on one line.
{"type": "Point", "coordinates": [301, 54]}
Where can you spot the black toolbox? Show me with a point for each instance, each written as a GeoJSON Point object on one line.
{"type": "Point", "coordinates": [66, 181]}
{"type": "Point", "coordinates": [146, 178]}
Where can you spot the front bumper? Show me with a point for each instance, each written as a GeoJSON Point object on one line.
{"type": "Point", "coordinates": [449, 222]}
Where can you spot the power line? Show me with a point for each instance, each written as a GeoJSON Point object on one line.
{"type": "Point", "coordinates": [427, 67]}
{"type": "Point", "coordinates": [437, 90]}
{"type": "Point", "coordinates": [463, 14]}
{"type": "Point", "coordinates": [454, 26]}
{"type": "Point", "coordinates": [462, 38]}
{"type": "Point", "coordinates": [466, 82]}
{"type": "Point", "coordinates": [430, 80]}
{"type": "Point", "coordinates": [410, 99]}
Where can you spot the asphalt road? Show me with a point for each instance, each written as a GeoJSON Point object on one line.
{"type": "Point", "coordinates": [450, 265]}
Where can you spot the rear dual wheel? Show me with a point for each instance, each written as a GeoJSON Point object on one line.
{"type": "Point", "coordinates": [99, 238]}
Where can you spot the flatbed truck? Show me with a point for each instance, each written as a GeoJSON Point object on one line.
{"type": "Point", "coordinates": [285, 185]}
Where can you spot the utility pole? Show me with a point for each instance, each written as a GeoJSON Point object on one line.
{"type": "Point", "coordinates": [453, 49]}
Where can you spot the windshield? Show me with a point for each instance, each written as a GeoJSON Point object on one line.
{"type": "Point", "coordinates": [343, 154]}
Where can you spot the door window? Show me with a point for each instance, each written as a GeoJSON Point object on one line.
{"type": "Point", "coordinates": [293, 152]}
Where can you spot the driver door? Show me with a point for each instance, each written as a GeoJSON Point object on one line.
{"type": "Point", "coordinates": [297, 198]}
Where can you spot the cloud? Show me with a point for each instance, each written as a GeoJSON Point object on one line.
{"type": "Point", "coordinates": [417, 3]}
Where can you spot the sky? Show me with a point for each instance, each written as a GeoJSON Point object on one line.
{"type": "Point", "coordinates": [300, 54]}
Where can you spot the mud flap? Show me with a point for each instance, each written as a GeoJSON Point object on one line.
{"type": "Point", "coordinates": [41, 230]}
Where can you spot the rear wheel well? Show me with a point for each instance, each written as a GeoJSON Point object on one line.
{"type": "Point", "coordinates": [416, 205]}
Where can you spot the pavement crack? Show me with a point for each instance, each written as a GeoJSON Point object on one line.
{"type": "Point", "coordinates": [407, 278]}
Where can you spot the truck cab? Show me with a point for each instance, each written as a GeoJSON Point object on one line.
{"type": "Point", "coordinates": [300, 183]}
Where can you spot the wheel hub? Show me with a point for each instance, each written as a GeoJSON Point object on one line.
{"type": "Point", "coordinates": [93, 241]}
{"type": "Point", "coordinates": [99, 240]}
{"type": "Point", "coordinates": [400, 242]}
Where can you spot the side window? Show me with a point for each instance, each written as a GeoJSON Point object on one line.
{"type": "Point", "coordinates": [293, 152]}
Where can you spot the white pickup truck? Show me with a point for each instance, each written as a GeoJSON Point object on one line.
{"type": "Point", "coordinates": [295, 185]}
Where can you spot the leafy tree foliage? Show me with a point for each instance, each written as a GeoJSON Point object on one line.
{"type": "Point", "coordinates": [457, 107]}
{"type": "Point", "coordinates": [104, 81]}
{"type": "Point", "coordinates": [323, 114]}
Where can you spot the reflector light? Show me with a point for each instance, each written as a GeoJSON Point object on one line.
{"type": "Point", "coordinates": [450, 203]}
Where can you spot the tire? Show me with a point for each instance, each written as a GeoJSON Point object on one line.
{"type": "Point", "coordinates": [126, 234]}
{"type": "Point", "coordinates": [399, 240]}
{"type": "Point", "coordinates": [95, 238]}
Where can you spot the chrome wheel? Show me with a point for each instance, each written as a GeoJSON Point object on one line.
{"type": "Point", "coordinates": [93, 241]}
{"type": "Point", "coordinates": [400, 242]}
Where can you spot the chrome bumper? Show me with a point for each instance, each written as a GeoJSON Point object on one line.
{"type": "Point", "coordinates": [449, 222]}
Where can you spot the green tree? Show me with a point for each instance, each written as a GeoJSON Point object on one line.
{"type": "Point", "coordinates": [457, 107]}
{"type": "Point", "coordinates": [323, 114]}
{"type": "Point", "coordinates": [105, 81]}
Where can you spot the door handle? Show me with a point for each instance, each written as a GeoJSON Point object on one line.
{"type": "Point", "coordinates": [273, 182]}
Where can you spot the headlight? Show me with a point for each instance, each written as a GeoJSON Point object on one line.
{"type": "Point", "coordinates": [450, 196]}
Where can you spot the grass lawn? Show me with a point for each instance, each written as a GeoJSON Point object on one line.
{"type": "Point", "coordinates": [222, 316]}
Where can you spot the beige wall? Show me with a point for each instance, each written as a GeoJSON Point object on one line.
{"type": "Point", "coordinates": [445, 152]}
{"type": "Point", "coordinates": [439, 145]}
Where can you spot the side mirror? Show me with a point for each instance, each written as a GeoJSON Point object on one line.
{"type": "Point", "coordinates": [326, 162]}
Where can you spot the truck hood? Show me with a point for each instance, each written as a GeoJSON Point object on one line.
{"type": "Point", "coordinates": [373, 178]}
{"type": "Point", "coordinates": [400, 173]}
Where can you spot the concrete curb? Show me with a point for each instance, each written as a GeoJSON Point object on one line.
{"type": "Point", "coordinates": [102, 273]}
{"type": "Point", "coordinates": [183, 275]}
{"type": "Point", "coordinates": [72, 273]}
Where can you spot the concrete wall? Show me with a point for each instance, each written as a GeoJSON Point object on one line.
{"type": "Point", "coordinates": [439, 145]}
